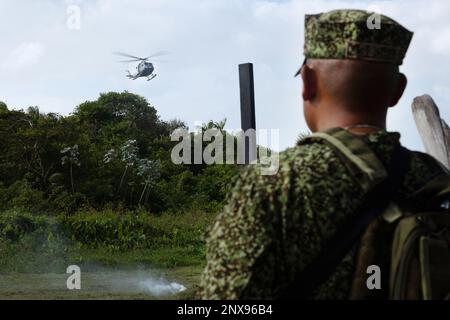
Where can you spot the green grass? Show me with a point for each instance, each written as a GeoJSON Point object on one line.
{"type": "Point", "coordinates": [14, 258]}
{"type": "Point", "coordinates": [101, 284]}
{"type": "Point", "coordinates": [135, 230]}
{"type": "Point", "coordinates": [36, 250]}
{"type": "Point", "coordinates": [158, 257]}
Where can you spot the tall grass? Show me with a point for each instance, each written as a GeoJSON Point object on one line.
{"type": "Point", "coordinates": [31, 243]}
{"type": "Point", "coordinates": [136, 230]}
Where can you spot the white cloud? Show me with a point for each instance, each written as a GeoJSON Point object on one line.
{"type": "Point", "coordinates": [441, 40]}
{"type": "Point", "coordinates": [25, 55]}
{"type": "Point", "coordinates": [208, 39]}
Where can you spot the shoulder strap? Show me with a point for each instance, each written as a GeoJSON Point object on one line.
{"type": "Point", "coordinates": [437, 189]}
{"type": "Point", "coordinates": [354, 153]}
{"type": "Point", "coordinates": [318, 271]}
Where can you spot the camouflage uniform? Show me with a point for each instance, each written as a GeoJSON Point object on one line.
{"type": "Point", "coordinates": [273, 226]}
{"type": "Point", "coordinates": [343, 34]}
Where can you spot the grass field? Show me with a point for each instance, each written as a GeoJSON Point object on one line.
{"type": "Point", "coordinates": [105, 285]}
{"type": "Point", "coordinates": [149, 253]}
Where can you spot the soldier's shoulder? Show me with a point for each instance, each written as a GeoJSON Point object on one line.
{"type": "Point", "coordinates": [423, 168]}
{"type": "Point", "coordinates": [310, 155]}
{"type": "Point", "coordinates": [425, 158]}
{"type": "Point", "coordinates": [300, 157]}
{"type": "Point", "coordinates": [302, 168]}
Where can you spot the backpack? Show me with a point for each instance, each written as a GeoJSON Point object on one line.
{"type": "Point", "coordinates": [420, 248]}
{"type": "Point", "coordinates": [421, 245]}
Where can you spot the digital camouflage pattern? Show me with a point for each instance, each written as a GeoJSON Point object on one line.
{"type": "Point", "coordinates": [344, 34]}
{"type": "Point", "coordinates": [273, 226]}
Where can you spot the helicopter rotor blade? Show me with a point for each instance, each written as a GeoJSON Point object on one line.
{"type": "Point", "coordinates": [127, 61]}
{"type": "Point", "coordinates": [157, 54]}
{"type": "Point", "coordinates": [136, 60]}
{"type": "Point", "coordinates": [156, 60]}
{"type": "Point", "coordinates": [128, 55]}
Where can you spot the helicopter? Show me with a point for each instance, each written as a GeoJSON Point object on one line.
{"type": "Point", "coordinates": [145, 68]}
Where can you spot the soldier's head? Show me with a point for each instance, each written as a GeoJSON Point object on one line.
{"type": "Point", "coordinates": [351, 70]}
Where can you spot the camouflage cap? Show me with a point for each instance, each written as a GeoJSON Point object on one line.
{"type": "Point", "coordinates": [355, 34]}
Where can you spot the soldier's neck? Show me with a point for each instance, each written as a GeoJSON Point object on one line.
{"type": "Point", "coordinates": [358, 124]}
{"type": "Point", "coordinates": [363, 129]}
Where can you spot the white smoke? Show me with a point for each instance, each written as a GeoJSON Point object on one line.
{"type": "Point", "coordinates": [151, 282]}
{"type": "Point", "coordinates": [161, 287]}
{"type": "Point", "coordinates": [142, 281]}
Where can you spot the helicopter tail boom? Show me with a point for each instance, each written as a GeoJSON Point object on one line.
{"type": "Point", "coordinates": [130, 76]}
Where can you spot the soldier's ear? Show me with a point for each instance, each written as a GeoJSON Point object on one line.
{"type": "Point", "coordinates": [401, 86]}
{"type": "Point", "coordinates": [309, 83]}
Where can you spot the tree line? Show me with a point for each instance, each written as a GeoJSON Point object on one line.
{"type": "Point", "coordinates": [111, 152]}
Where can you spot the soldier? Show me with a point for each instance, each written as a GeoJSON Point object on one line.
{"type": "Point", "coordinates": [274, 227]}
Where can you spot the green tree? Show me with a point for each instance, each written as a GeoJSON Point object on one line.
{"type": "Point", "coordinates": [150, 171]}
{"type": "Point", "coordinates": [71, 156]}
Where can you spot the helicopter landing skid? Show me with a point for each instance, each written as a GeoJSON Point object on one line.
{"type": "Point", "coordinates": [151, 77]}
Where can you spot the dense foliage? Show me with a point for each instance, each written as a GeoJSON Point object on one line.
{"type": "Point", "coordinates": [113, 152]}
{"type": "Point", "coordinates": [39, 243]}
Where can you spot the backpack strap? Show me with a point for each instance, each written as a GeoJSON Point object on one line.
{"type": "Point", "coordinates": [308, 280]}
{"type": "Point", "coordinates": [359, 159]}
{"type": "Point", "coordinates": [420, 256]}
{"type": "Point", "coordinates": [437, 190]}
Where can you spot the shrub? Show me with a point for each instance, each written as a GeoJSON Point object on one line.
{"type": "Point", "coordinates": [30, 243]}
{"type": "Point", "coordinates": [137, 230]}
{"type": "Point", "coordinates": [21, 195]}
{"type": "Point", "coordinates": [15, 224]}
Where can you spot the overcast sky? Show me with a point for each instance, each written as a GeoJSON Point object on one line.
{"type": "Point", "coordinates": [43, 62]}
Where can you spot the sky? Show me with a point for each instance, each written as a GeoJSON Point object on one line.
{"type": "Point", "coordinates": [51, 59]}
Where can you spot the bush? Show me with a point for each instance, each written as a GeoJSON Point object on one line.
{"type": "Point", "coordinates": [20, 195]}
{"type": "Point", "coordinates": [136, 230]}
{"type": "Point", "coordinates": [15, 224]}
{"type": "Point", "coordinates": [30, 243]}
